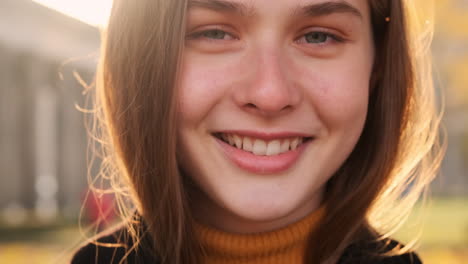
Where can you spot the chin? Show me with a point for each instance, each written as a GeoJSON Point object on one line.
{"type": "Point", "coordinates": [259, 212]}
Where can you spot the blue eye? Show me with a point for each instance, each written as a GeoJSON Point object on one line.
{"type": "Point", "coordinates": [212, 34]}
{"type": "Point", "coordinates": [316, 37]}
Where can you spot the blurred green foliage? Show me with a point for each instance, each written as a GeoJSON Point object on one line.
{"type": "Point", "coordinates": [444, 230]}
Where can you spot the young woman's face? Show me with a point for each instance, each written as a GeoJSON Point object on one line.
{"type": "Point", "coordinates": [273, 98]}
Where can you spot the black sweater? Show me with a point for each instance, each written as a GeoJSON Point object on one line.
{"type": "Point", "coordinates": [358, 253]}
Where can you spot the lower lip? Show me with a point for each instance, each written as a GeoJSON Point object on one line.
{"type": "Point", "coordinates": [262, 164]}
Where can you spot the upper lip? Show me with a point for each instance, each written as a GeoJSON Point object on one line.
{"type": "Point", "coordinates": [265, 135]}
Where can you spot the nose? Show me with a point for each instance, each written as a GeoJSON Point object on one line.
{"type": "Point", "coordinates": [270, 89]}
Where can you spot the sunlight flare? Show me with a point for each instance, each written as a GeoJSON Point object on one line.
{"type": "Point", "coordinates": [95, 13]}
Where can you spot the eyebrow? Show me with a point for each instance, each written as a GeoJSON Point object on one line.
{"type": "Point", "coordinates": [327, 8]}
{"type": "Point", "coordinates": [308, 10]}
{"type": "Point", "coordinates": [223, 6]}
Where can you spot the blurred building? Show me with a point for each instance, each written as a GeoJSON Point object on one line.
{"type": "Point", "coordinates": [43, 142]}
{"type": "Point", "coordinates": [42, 135]}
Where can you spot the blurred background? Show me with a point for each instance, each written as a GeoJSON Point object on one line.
{"type": "Point", "coordinates": [49, 49]}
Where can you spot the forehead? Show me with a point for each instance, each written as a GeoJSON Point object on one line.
{"type": "Point", "coordinates": [252, 8]}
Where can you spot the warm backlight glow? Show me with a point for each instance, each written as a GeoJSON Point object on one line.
{"type": "Point", "coordinates": [95, 13]}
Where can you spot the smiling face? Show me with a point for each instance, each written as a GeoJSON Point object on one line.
{"type": "Point", "coordinates": [273, 98]}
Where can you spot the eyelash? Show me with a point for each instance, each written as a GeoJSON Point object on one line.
{"type": "Point", "coordinates": [327, 35]}
{"type": "Point", "coordinates": [199, 34]}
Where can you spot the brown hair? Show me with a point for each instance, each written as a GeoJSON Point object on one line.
{"type": "Point", "coordinates": [399, 151]}
{"type": "Point", "coordinates": [394, 160]}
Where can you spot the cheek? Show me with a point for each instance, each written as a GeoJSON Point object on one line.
{"type": "Point", "coordinates": [338, 92]}
{"type": "Point", "coordinates": [204, 83]}
{"type": "Point", "coordinates": [197, 90]}
{"type": "Point", "coordinates": [346, 97]}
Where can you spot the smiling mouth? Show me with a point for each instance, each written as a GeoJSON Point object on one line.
{"type": "Point", "coordinates": [262, 147]}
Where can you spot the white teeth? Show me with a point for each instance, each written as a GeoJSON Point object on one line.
{"type": "Point", "coordinates": [247, 144]}
{"type": "Point", "coordinates": [231, 140]}
{"type": "Point", "coordinates": [273, 148]}
{"type": "Point", "coordinates": [294, 143]}
{"type": "Point", "coordinates": [238, 141]}
{"type": "Point", "coordinates": [285, 145]}
{"type": "Point", "coordinates": [259, 147]}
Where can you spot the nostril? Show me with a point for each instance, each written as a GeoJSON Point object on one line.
{"type": "Point", "coordinates": [252, 106]}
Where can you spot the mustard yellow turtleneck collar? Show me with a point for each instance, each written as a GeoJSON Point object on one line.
{"type": "Point", "coordinates": [286, 245]}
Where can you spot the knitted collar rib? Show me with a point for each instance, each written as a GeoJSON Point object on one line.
{"type": "Point", "coordinates": [285, 245]}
